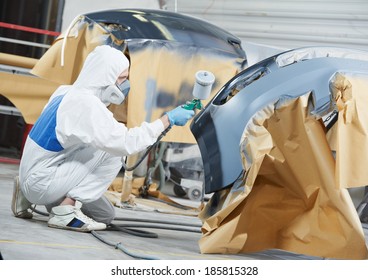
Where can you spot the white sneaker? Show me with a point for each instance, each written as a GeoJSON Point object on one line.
{"type": "Point", "coordinates": [20, 204]}
{"type": "Point", "coordinates": [72, 218]}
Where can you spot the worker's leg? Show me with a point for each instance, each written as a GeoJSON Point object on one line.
{"type": "Point", "coordinates": [100, 210]}
{"type": "Point", "coordinates": [20, 204]}
{"type": "Point", "coordinates": [97, 181]}
{"type": "Point", "coordinates": [84, 178]}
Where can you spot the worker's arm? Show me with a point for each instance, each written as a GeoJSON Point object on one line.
{"type": "Point", "coordinates": [165, 121]}
{"type": "Point", "coordinates": [84, 119]}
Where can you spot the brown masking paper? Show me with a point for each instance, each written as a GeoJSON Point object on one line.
{"type": "Point", "coordinates": [28, 94]}
{"type": "Point", "coordinates": [64, 59]}
{"type": "Point", "coordinates": [288, 198]}
{"type": "Point", "coordinates": [349, 137]}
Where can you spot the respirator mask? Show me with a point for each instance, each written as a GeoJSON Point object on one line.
{"type": "Point", "coordinates": [116, 93]}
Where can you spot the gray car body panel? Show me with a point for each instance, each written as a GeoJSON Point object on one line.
{"type": "Point", "coordinates": [159, 25]}
{"type": "Point", "coordinates": [219, 126]}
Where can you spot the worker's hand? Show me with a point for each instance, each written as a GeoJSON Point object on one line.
{"type": "Point", "coordinates": [179, 116]}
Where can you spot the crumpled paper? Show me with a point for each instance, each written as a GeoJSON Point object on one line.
{"type": "Point", "coordinates": [293, 193]}
{"type": "Point", "coordinates": [349, 136]}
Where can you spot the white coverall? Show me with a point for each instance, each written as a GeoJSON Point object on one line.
{"type": "Point", "coordinates": [76, 147]}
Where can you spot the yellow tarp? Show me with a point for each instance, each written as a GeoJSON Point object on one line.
{"type": "Point", "coordinates": [293, 195]}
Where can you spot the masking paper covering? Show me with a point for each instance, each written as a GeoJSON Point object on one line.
{"type": "Point", "coordinates": [17, 61]}
{"type": "Point", "coordinates": [162, 73]}
{"type": "Point", "coordinates": [64, 59]}
{"type": "Point", "coordinates": [293, 193]}
{"type": "Point", "coordinates": [28, 94]}
{"type": "Point", "coordinates": [350, 136]}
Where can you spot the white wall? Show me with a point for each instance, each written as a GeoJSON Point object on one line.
{"type": "Point", "coordinates": [284, 24]}
{"type": "Point", "coordinates": [74, 8]}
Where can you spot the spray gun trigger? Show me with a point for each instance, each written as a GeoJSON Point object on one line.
{"type": "Point", "coordinates": [194, 104]}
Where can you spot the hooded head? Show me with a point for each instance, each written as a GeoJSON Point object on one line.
{"type": "Point", "coordinates": [100, 72]}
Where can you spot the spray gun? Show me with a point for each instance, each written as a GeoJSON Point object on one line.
{"type": "Point", "coordinates": [201, 90]}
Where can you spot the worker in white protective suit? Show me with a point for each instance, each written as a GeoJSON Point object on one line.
{"type": "Point", "coordinates": [76, 148]}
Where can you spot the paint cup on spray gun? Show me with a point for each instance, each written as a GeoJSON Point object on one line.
{"type": "Point", "coordinates": [201, 90]}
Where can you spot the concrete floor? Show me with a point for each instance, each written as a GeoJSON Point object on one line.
{"type": "Point", "coordinates": [32, 240]}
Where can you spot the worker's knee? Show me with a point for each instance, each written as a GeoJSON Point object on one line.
{"type": "Point", "coordinates": [107, 216]}
{"type": "Point", "coordinates": [100, 210]}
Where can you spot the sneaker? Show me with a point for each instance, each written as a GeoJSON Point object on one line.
{"type": "Point", "coordinates": [72, 218]}
{"type": "Point", "coordinates": [20, 204]}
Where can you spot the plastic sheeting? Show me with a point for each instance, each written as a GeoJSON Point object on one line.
{"type": "Point", "coordinates": [293, 193]}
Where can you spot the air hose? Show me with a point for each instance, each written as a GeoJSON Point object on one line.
{"type": "Point", "coordinates": [126, 228]}
{"type": "Point", "coordinates": [157, 222]}
{"type": "Point", "coordinates": [33, 208]}
{"type": "Point", "coordinates": [158, 163]}
{"type": "Point", "coordinates": [122, 248]}
{"type": "Point", "coordinates": [131, 168]}
{"type": "Point", "coordinates": [136, 232]}
{"type": "Point", "coordinates": [159, 227]}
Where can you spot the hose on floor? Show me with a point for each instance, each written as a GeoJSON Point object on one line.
{"type": "Point", "coordinates": [158, 227]}
{"type": "Point", "coordinates": [157, 222]}
{"type": "Point", "coordinates": [145, 223]}
{"type": "Point", "coordinates": [122, 248]}
{"type": "Point", "coordinates": [118, 245]}
{"type": "Point", "coordinates": [148, 225]}
{"type": "Point", "coordinates": [136, 232]}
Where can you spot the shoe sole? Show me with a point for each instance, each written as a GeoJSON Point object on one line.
{"type": "Point", "coordinates": [71, 228]}
{"type": "Point", "coordinates": [23, 214]}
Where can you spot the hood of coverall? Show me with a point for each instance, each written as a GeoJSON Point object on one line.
{"type": "Point", "coordinates": [101, 69]}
